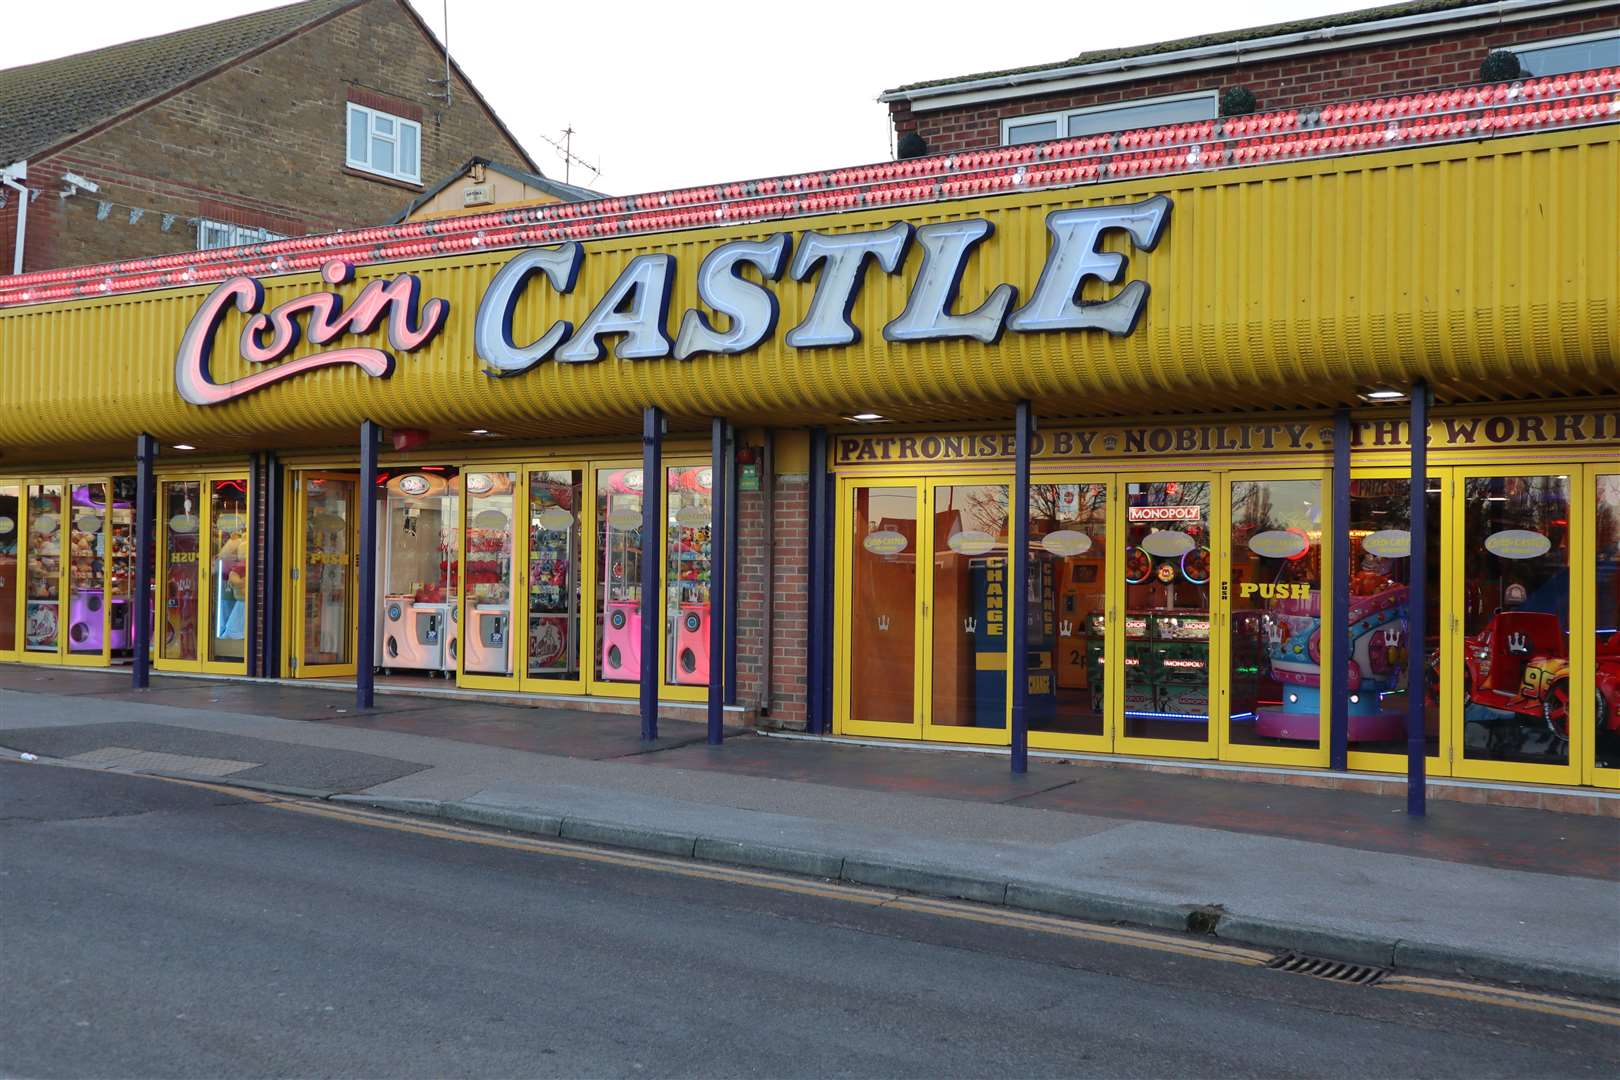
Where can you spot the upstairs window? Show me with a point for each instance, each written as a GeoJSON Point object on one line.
{"type": "Point", "coordinates": [1098, 119]}
{"type": "Point", "coordinates": [384, 144]}
{"type": "Point", "coordinates": [1570, 54]}
{"type": "Point", "coordinates": [222, 234]}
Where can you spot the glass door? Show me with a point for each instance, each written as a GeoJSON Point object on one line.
{"type": "Point", "coordinates": [879, 610]}
{"type": "Point", "coordinates": [1169, 651]}
{"type": "Point", "coordinates": [1275, 707]}
{"type": "Point", "coordinates": [556, 642]}
{"type": "Point", "coordinates": [42, 572]}
{"type": "Point", "coordinates": [1602, 652]}
{"type": "Point", "coordinates": [323, 575]}
{"type": "Point", "coordinates": [1072, 560]}
{"type": "Point", "coordinates": [1513, 556]}
{"type": "Point", "coordinates": [689, 605]}
{"type": "Point", "coordinates": [968, 613]}
{"type": "Point", "coordinates": [492, 539]}
{"type": "Point", "coordinates": [613, 580]}
{"type": "Point", "coordinates": [203, 547]}
{"type": "Point", "coordinates": [1381, 573]}
{"type": "Point", "coordinates": [11, 591]}
{"type": "Point", "coordinates": [180, 577]}
{"type": "Point", "coordinates": [88, 525]}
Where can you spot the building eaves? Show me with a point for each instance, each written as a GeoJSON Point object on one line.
{"type": "Point", "coordinates": [565, 192]}
{"type": "Point", "coordinates": [1230, 39]}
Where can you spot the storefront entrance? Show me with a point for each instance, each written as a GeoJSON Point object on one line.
{"type": "Point", "coordinates": [515, 576]}
{"type": "Point", "coordinates": [204, 554]}
{"type": "Point", "coordinates": [1184, 613]}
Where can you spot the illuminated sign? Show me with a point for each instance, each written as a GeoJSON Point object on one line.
{"type": "Point", "coordinates": [270, 336]}
{"type": "Point", "coordinates": [1164, 513]}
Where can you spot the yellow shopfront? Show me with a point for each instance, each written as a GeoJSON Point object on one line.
{"type": "Point", "coordinates": [1184, 607]}
{"type": "Point", "coordinates": [518, 570]}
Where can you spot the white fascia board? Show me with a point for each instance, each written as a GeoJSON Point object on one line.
{"type": "Point", "coordinates": [1255, 50]}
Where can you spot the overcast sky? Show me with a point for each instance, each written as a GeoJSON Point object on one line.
{"type": "Point", "coordinates": [665, 94]}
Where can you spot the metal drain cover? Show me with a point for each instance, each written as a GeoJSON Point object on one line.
{"type": "Point", "coordinates": [1333, 970]}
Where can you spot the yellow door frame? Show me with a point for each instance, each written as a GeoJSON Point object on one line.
{"type": "Point", "coordinates": [845, 721]}
{"type": "Point", "coordinates": [1228, 750]}
{"type": "Point", "coordinates": [61, 654]}
{"type": "Point", "coordinates": [21, 562]}
{"type": "Point", "coordinates": [1113, 625]}
{"type": "Point", "coordinates": [295, 568]}
{"type": "Point", "coordinates": [1575, 627]}
{"type": "Point", "coordinates": [949, 733]}
{"type": "Point", "coordinates": [591, 551]}
{"type": "Point", "coordinates": [204, 479]}
{"type": "Point", "coordinates": [25, 532]}
{"type": "Point", "coordinates": [582, 555]}
{"type": "Point", "coordinates": [668, 689]}
{"type": "Point", "coordinates": [1583, 644]}
{"type": "Point", "coordinates": [516, 592]}
{"type": "Point", "coordinates": [1175, 748]}
{"type": "Point", "coordinates": [1438, 763]}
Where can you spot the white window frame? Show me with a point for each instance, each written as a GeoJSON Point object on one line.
{"type": "Point", "coordinates": [234, 235]}
{"type": "Point", "coordinates": [1062, 116]}
{"type": "Point", "coordinates": [1520, 48]}
{"type": "Point", "coordinates": [370, 116]}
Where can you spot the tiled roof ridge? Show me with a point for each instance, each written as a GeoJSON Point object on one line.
{"type": "Point", "coordinates": [1465, 113]}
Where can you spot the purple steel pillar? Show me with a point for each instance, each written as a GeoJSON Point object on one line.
{"type": "Point", "coordinates": [652, 570]}
{"type": "Point", "coordinates": [140, 599]}
{"type": "Point", "coordinates": [1417, 606]}
{"type": "Point", "coordinates": [719, 557]}
{"type": "Point", "coordinates": [1339, 634]}
{"type": "Point", "coordinates": [1018, 548]}
{"type": "Point", "coordinates": [365, 688]}
{"type": "Point", "coordinates": [730, 518]}
{"type": "Point", "coordinates": [820, 633]}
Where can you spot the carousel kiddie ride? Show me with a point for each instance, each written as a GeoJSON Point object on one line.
{"type": "Point", "coordinates": [1378, 646]}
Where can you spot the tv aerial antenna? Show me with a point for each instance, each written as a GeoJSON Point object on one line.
{"type": "Point", "coordinates": [565, 150]}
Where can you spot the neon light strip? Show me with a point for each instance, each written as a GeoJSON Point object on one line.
{"type": "Point", "coordinates": [1467, 114]}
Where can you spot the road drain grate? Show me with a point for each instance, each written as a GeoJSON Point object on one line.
{"type": "Point", "coordinates": [1332, 970]}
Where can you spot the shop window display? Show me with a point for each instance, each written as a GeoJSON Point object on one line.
{"type": "Point", "coordinates": [1381, 568]}
{"type": "Point", "coordinates": [1068, 535]}
{"type": "Point", "coordinates": [972, 602]}
{"type": "Point", "coordinates": [618, 584]}
{"type": "Point", "coordinates": [10, 525]}
{"type": "Point", "coordinates": [883, 605]}
{"type": "Point", "coordinates": [228, 570]}
{"type": "Point", "coordinates": [1606, 627]}
{"type": "Point", "coordinates": [1515, 589]}
{"type": "Point", "coordinates": [490, 570]}
{"type": "Point", "coordinates": [688, 605]}
{"type": "Point", "coordinates": [327, 573]}
{"type": "Point", "coordinates": [42, 582]}
{"type": "Point", "coordinates": [1167, 616]}
{"type": "Point", "coordinates": [554, 590]}
{"type": "Point", "coordinates": [420, 568]}
{"type": "Point", "coordinates": [182, 516]}
{"type": "Point", "coordinates": [1275, 666]}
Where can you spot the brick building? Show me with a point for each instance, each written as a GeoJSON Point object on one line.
{"type": "Point", "coordinates": [315, 116]}
{"type": "Point", "coordinates": [1377, 52]}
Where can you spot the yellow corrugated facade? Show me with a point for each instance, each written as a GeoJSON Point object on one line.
{"type": "Point", "coordinates": [1490, 268]}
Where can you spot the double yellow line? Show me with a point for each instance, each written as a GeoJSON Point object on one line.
{"type": "Point", "coordinates": [1505, 997]}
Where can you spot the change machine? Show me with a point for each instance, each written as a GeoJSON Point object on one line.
{"type": "Point", "coordinates": [416, 628]}
{"type": "Point", "coordinates": [991, 578]}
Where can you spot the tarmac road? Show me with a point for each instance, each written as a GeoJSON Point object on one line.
{"type": "Point", "coordinates": [151, 928]}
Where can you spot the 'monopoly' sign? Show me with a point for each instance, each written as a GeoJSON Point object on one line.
{"type": "Point", "coordinates": [1572, 428]}
{"type": "Point", "coordinates": [634, 311]}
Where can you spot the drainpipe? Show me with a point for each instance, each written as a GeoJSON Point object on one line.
{"type": "Point", "coordinates": [12, 178]}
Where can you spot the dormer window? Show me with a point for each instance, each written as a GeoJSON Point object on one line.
{"type": "Point", "coordinates": [384, 144]}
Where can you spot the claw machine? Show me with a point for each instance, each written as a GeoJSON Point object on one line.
{"type": "Point", "coordinates": [416, 626]}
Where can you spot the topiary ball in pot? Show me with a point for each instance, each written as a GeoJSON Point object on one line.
{"type": "Point", "coordinates": [1237, 101]}
{"type": "Point", "coordinates": [1500, 66]}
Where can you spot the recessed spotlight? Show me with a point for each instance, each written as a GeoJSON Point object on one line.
{"type": "Point", "coordinates": [1381, 393]}
{"type": "Point", "coordinates": [479, 431]}
{"type": "Point", "coordinates": [866, 417]}
{"type": "Point", "coordinates": [183, 446]}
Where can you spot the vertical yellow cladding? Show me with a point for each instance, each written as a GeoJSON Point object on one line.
{"type": "Point", "coordinates": [1489, 267]}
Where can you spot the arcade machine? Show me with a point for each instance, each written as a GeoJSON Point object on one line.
{"type": "Point", "coordinates": [621, 575]}
{"type": "Point", "coordinates": [690, 558]}
{"type": "Point", "coordinates": [991, 577]}
{"type": "Point", "coordinates": [100, 540]}
{"type": "Point", "coordinates": [1167, 644]}
{"type": "Point", "coordinates": [553, 582]}
{"type": "Point", "coordinates": [416, 629]}
{"type": "Point", "coordinates": [487, 575]}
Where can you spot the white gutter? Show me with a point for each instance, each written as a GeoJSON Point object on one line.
{"type": "Point", "coordinates": [1502, 10]}
{"type": "Point", "coordinates": [13, 177]}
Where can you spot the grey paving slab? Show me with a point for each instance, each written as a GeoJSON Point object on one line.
{"type": "Point", "coordinates": [129, 758]}
{"type": "Point", "coordinates": [266, 762]}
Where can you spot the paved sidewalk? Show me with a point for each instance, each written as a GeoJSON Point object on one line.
{"type": "Point", "coordinates": [1519, 895]}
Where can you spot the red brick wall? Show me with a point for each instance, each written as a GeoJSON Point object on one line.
{"type": "Point", "coordinates": [753, 577]}
{"type": "Point", "coordinates": [1374, 71]}
{"type": "Point", "coordinates": [790, 601]}
{"type": "Point", "coordinates": [261, 144]}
